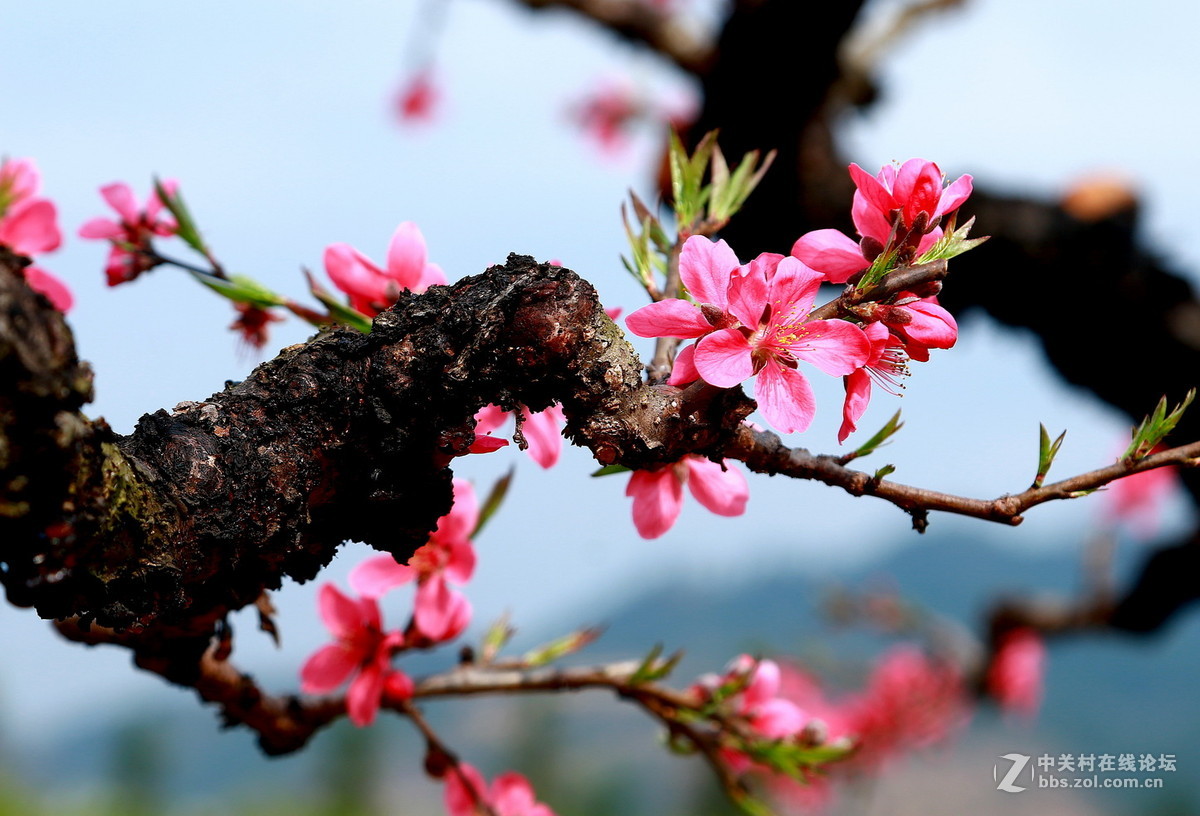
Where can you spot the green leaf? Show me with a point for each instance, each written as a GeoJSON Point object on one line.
{"type": "Point", "coordinates": [878, 440]}
{"type": "Point", "coordinates": [496, 637]}
{"type": "Point", "coordinates": [730, 195]}
{"type": "Point", "coordinates": [240, 289]}
{"type": "Point", "coordinates": [494, 500]}
{"type": "Point", "coordinates": [609, 470]}
{"type": "Point", "coordinates": [1154, 428]}
{"type": "Point", "coordinates": [953, 243]}
{"type": "Point", "coordinates": [183, 217]}
{"type": "Point", "coordinates": [652, 668]}
{"type": "Point", "coordinates": [338, 311]}
{"type": "Point", "coordinates": [1047, 450]}
{"type": "Point", "coordinates": [560, 647]}
{"type": "Point", "coordinates": [886, 470]}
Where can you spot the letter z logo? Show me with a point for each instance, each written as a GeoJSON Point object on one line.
{"type": "Point", "coordinates": [1019, 761]}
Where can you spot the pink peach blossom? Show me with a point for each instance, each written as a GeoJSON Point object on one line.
{"type": "Point", "coordinates": [1015, 676]}
{"type": "Point", "coordinates": [1137, 501]}
{"type": "Point", "coordinates": [55, 290]}
{"type": "Point", "coordinates": [417, 99]}
{"type": "Point", "coordinates": [658, 494]}
{"type": "Point", "coordinates": [29, 226]}
{"type": "Point", "coordinates": [361, 652]}
{"type": "Point", "coordinates": [770, 334]}
{"type": "Point", "coordinates": [440, 612]}
{"type": "Point", "coordinates": [510, 794]}
{"type": "Point", "coordinates": [915, 188]}
{"type": "Point", "coordinates": [134, 230]}
{"type": "Point", "coordinates": [886, 206]}
{"type": "Point", "coordinates": [372, 289]}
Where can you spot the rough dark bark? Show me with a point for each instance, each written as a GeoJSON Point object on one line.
{"type": "Point", "coordinates": [350, 436]}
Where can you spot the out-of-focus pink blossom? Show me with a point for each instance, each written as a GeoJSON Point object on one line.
{"type": "Point", "coordinates": [658, 494]}
{"type": "Point", "coordinates": [1015, 676]}
{"type": "Point", "coordinates": [361, 652]}
{"type": "Point", "coordinates": [372, 289]}
{"type": "Point", "coordinates": [759, 702]}
{"type": "Point", "coordinates": [134, 230]}
{"type": "Point", "coordinates": [55, 290]}
{"type": "Point", "coordinates": [911, 702]}
{"type": "Point", "coordinates": [1136, 501]}
{"type": "Point", "coordinates": [608, 113]}
{"type": "Point", "coordinates": [252, 324]}
{"type": "Point", "coordinates": [440, 612]}
{"type": "Point", "coordinates": [29, 226]}
{"type": "Point", "coordinates": [542, 431]}
{"type": "Point", "coordinates": [417, 100]}
{"type": "Point", "coordinates": [510, 794]}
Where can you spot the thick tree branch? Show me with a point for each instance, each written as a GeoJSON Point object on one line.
{"type": "Point", "coordinates": [347, 437]}
{"type": "Point", "coordinates": [643, 23]}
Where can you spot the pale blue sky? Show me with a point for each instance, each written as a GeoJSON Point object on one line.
{"type": "Point", "coordinates": [274, 117]}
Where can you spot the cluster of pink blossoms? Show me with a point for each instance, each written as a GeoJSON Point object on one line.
{"type": "Point", "coordinates": [29, 226]}
{"type": "Point", "coordinates": [362, 650]}
{"type": "Point", "coordinates": [910, 702]}
{"type": "Point", "coordinates": [510, 794]}
{"type": "Point", "coordinates": [752, 320]}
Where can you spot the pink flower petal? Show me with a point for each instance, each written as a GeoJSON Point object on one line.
{"type": "Point", "coordinates": [834, 346]}
{"type": "Point", "coordinates": [327, 668]}
{"type": "Point", "coordinates": [931, 325]}
{"type": "Point", "coordinates": [955, 194]}
{"type": "Point", "coordinates": [406, 256]}
{"type": "Point", "coordinates": [461, 565]}
{"type": "Point", "coordinates": [724, 359]}
{"type": "Point", "coordinates": [344, 617]}
{"type": "Point", "coordinates": [31, 227]}
{"type": "Point", "coordinates": [748, 297]}
{"type": "Point", "coordinates": [722, 491]}
{"type": "Point", "coordinates": [120, 198]}
{"type": "Point", "coordinates": [657, 499]}
{"type": "Point", "coordinates": [440, 613]}
{"type": "Point", "coordinates": [543, 432]}
{"type": "Point", "coordinates": [489, 418]}
{"type": "Point", "coordinates": [870, 220]}
{"type": "Point", "coordinates": [784, 397]}
{"type": "Point", "coordinates": [55, 291]}
{"type": "Point", "coordinates": [793, 291]}
{"type": "Point", "coordinates": [366, 692]}
{"type": "Point", "coordinates": [459, 523]}
{"type": "Point", "coordinates": [512, 795]}
{"type": "Point", "coordinates": [778, 718]}
{"type": "Point", "coordinates": [872, 190]}
{"type": "Point", "coordinates": [669, 318]}
{"type": "Point", "coordinates": [465, 789]}
{"type": "Point", "coordinates": [705, 268]}
{"type": "Point", "coordinates": [374, 577]}
{"type": "Point", "coordinates": [684, 371]}
{"type": "Point", "coordinates": [101, 229]}
{"type": "Point", "coordinates": [830, 252]}
{"type": "Point", "coordinates": [858, 395]}
{"type": "Point", "coordinates": [354, 274]}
